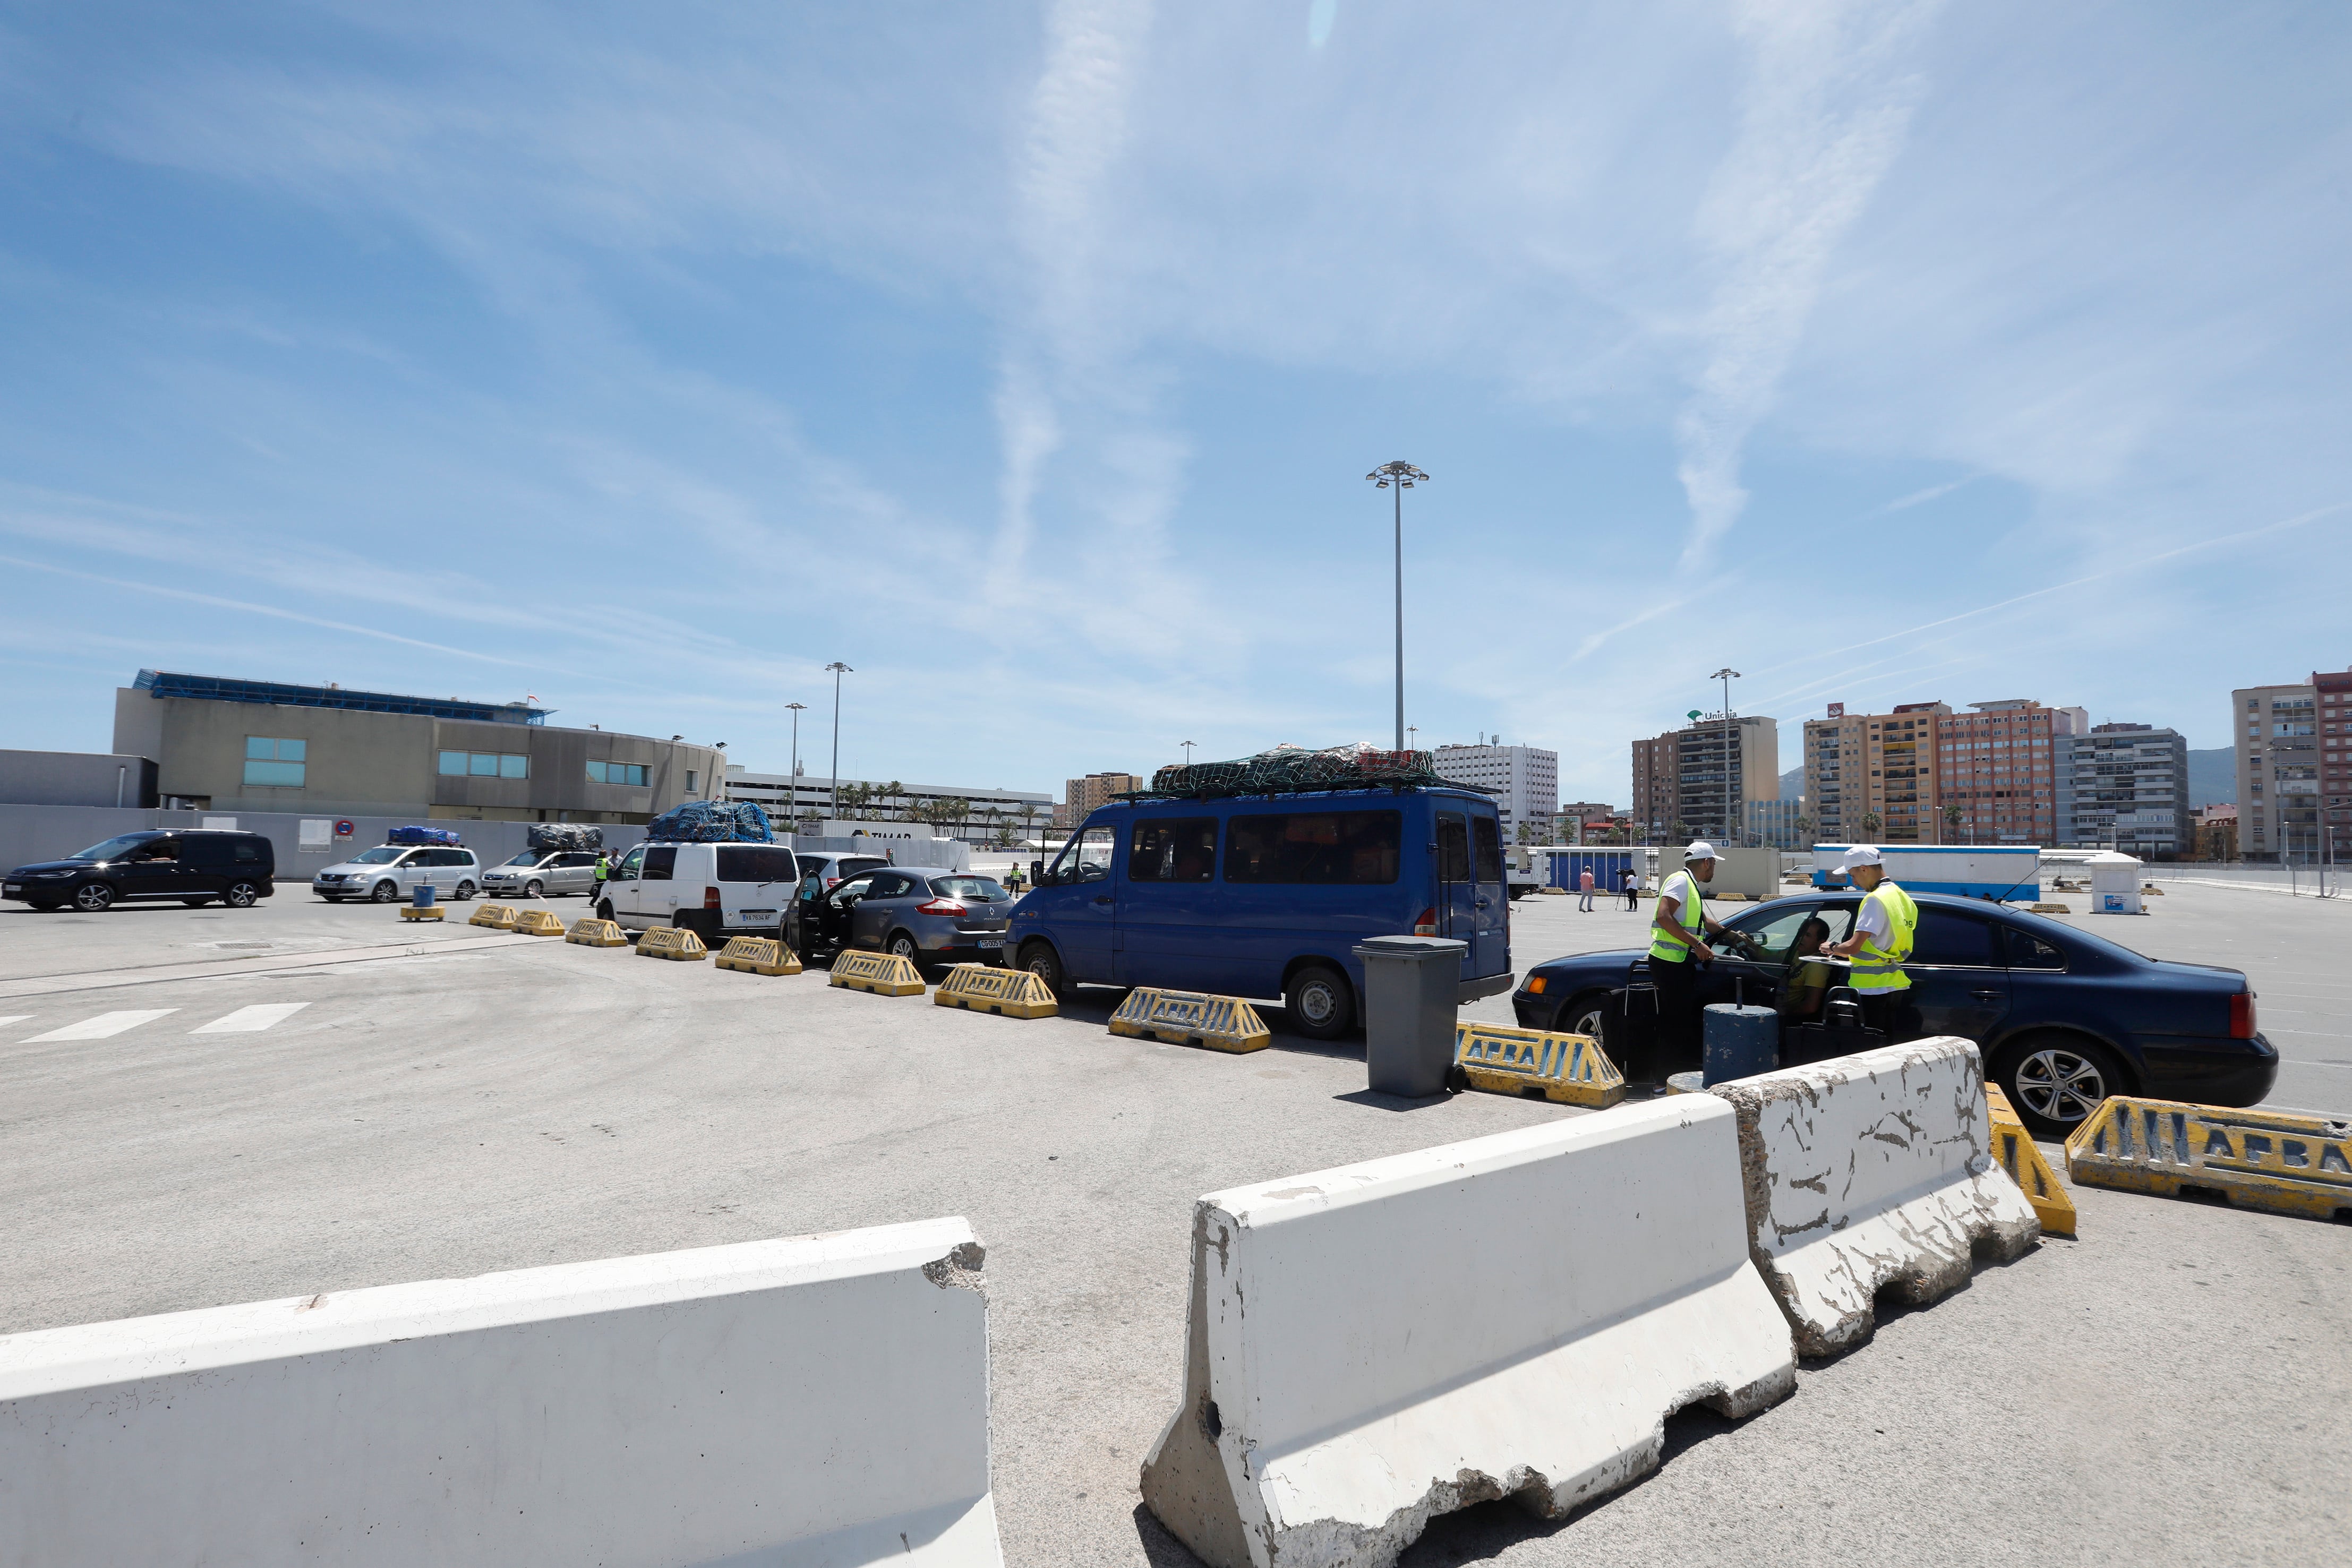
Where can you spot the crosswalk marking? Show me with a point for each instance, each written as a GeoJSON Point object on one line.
{"type": "Point", "coordinates": [252, 1019]}
{"type": "Point", "coordinates": [105, 1026]}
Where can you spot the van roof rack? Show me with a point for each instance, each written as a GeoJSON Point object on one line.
{"type": "Point", "coordinates": [1247, 791]}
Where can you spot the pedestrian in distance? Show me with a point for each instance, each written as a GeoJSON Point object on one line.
{"type": "Point", "coordinates": [1678, 930]}
{"type": "Point", "coordinates": [1632, 887]}
{"type": "Point", "coordinates": [604, 869]}
{"type": "Point", "coordinates": [1584, 889]}
{"type": "Point", "coordinates": [1882, 929]}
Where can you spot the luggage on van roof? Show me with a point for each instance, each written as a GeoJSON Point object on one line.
{"type": "Point", "coordinates": [712, 822]}
{"type": "Point", "coordinates": [564, 836]}
{"type": "Point", "coordinates": [420, 835]}
{"type": "Point", "coordinates": [1293, 768]}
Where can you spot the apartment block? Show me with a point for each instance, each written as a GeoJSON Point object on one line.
{"type": "Point", "coordinates": [2123, 787]}
{"type": "Point", "coordinates": [1524, 780]}
{"type": "Point", "coordinates": [1873, 778]}
{"type": "Point", "coordinates": [1996, 772]}
{"type": "Point", "coordinates": [1696, 781]}
{"type": "Point", "coordinates": [2294, 798]}
{"type": "Point", "coordinates": [1081, 796]}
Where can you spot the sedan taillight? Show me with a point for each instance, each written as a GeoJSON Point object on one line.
{"type": "Point", "coordinates": [1426, 922]}
{"type": "Point", "coordinates": [942, 906]}
{"type": "Point", "coordinates": [2242, 1016]}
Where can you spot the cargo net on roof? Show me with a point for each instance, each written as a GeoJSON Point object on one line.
{"type": "Point", "coordinates": [1295, 768]}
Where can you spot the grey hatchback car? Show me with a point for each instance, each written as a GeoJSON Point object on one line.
{"type": "Point", "coordinates": [928, 914]}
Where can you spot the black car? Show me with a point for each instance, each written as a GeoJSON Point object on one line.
{"type": "Point", "coordinates": [195, 865]}
{"type": "Point", "coordinates": [2064, 1019]}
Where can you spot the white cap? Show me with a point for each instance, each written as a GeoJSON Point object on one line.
{"type": "Point", "coordinates": [1700, 850]}
{"type": "Point", "coordinates": [1861, 854]}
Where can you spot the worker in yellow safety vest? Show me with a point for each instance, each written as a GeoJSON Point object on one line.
{"type": "Point", "coordinates": [1883, 930]}
{"type": "Point", "coordinates": [1677, 947]}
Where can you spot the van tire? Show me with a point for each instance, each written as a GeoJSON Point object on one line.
{"type": "Point", "coordinates": [1039, 959]}
{"type": "Point", "coordinates": [465, 891]}
{"type": "Point", "coordinates": [93, 897]}
{"type": "Point", "coordinates": [1321, 1002]}
{"type": "Point", "coordinates": [604, 909]}
{"type": "Point", "coordinates": [241, 895]}
{"type": "Point", "coordinates": [384, 893]}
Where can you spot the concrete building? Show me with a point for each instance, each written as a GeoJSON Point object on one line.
{"type": "Point", "coordinates": [1696, 781]}
{"type": "Point", "coordinates": [2123, 787]}
{"type": "Point", "coordinates": [229, 746]}
{"type": "Point", "coordinates": [1524, 780]}
{"type": "Point", "coordinates": [2292, 767]}
{"type": "Point", "coordinates": [1081, 796]}
{"type": "Point", "coordinates": [77, 778]}
{"type": "Point", "coordinates": [1923, 774]}
{"type": "Point", "coordinates": [1025, 812]}
{"type": "Point", "coordinates": [1773, 824]}
{"type": "Point", "coordinates": [2215, 830]}
{"type": "Point", "coordinates": [1997, 770]}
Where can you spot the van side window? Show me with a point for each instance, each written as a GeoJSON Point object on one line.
{"type": "Point", "coordinates": [1183, 851]}
{"type": "Point", "coordinates": [1490, 848]}
{"type": "Point", "coordinates": [1452, 849]}
{"type": "Point", "coordinates": [755, 863]}
{"type": "Point", "coordinates": [660, 863]}
{"type": "Point", "coordinates": [1350, 847]}
{"type": "Point", "coordinates": [247, 852]}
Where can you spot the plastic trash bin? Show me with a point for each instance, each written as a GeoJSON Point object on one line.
{"type": "Point", "coordinates": [1741, 1041]}
{"type": "Point", "coordinates": [422, 897]}
{"type": "Point", "coordinates": [1412, 993]}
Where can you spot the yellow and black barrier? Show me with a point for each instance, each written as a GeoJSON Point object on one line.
{"type": "Point", "coordinates": [2012, 1146]}
{"type": "Point", "coordinates": [415, 912]}
{"type": "Point", "coordinates": [883, 974]}
{"type": "Point", "coordinates": [1191, 1017]}
{"type": "Point", "coordinates": [2276, 1161]}
{"type": "Point", "coordinates": [1009, 993]}
{"type": "Point", "coordinates": [1537, 1064]}
{"type": "Point", "coordinates": [671, 941]}
{"type": "Point", "coordinates": [537, 923]}
{"type": "Point", "coordinates": [498, 916]}
{"type": "Point", "coordinates": [757, 956]}
{"type": "Point", "coordinates": [593, 933]}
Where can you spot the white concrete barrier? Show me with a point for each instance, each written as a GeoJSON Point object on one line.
{"type": "Point", "coordinates": [822, 1400]}
{"type": "Point", "coordinates": [1869, 1172]}
{"type": "Point", "coordinates": [1515, 1316]}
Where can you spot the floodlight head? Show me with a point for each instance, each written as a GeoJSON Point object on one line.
{"type": "Point", "coordinates": [1404, 475]}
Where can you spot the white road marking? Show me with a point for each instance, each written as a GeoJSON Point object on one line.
{"type": "Point", "coordinates": [105, 1026]}
{"type": "Point", "coordinates": [252, 1019]}
{"type": "Point", "coordinates": [13, 1018]}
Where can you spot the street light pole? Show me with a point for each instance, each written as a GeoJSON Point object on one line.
{"type": "Point", "coordinates": [1403, 476]}
{"type": "Point", "coordinates": [1726, 675]}
{"type": "Point", "coordinates": [1188, 746]}
{"type": "Point", "coordinates": [833, 787]}
{"type": "Point", "coordinates": [792, 779]}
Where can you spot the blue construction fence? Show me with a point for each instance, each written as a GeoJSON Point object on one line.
{"type": "Point", "coordinates": [1607, 867]}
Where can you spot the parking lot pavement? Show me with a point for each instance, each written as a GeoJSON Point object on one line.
{"type": "Point", "coordinates": [2177, 1374]}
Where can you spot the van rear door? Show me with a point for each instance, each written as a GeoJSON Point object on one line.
{"type": "Point", "coordinates": [1457, 887]}
{"type": "Point", "coordinates": [1490, 944]}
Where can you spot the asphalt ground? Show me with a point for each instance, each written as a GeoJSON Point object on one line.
{"type": "Point", "coordinates": [464, 1102]}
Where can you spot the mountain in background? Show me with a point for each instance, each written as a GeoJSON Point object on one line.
{"type": "Point", "coordinates": [2213, 777]}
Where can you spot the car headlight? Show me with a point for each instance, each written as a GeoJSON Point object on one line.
{"type": "Point", "coordinates": [51, 876]}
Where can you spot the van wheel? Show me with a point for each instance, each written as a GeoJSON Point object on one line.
{"type": "Point", "coordinates": [384, 893]}
{"type": "Point", "coordinates": [1321, 1004]}
{"type": "Point", "coordinates": [1040, 960]}
{"type": "Point", "coordinates": [605, 910]}
{"type": "Point", "coordinates": [93, 897]}
{"type": "Point", "coordinates": [241, 895]}
{"type": "Point", "coordinates": [465, 892]}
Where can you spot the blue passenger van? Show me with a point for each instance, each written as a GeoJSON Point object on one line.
{"type": "Point", "coordinates": [1267, 895]}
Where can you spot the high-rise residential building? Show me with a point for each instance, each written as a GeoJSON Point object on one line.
{"type": "Point", "coordinates": [1524, 780]}
{"type": "Point", "coordinates": [2123, 787]}
{"type": "Point", "coordinates": [1873, 778]}
{"type": "Point", "coordinates": [1081, 796]}
{"type": "Point", "coordinates": [2294, 798]}
{"type": "Point", "coordinates": [1923, 774]}
{"type": "Point", "coordinates": [1696, 781]}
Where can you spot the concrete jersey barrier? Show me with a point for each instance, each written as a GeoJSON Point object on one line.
{"type": "Point", "coordinates": [725, 1405]}
{"type": "Point", "coordinates": [1871, 1171]}
{"type": "Point", "coordinates": [1515, 1315]}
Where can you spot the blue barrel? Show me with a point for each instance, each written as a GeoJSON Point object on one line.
{"type": "Point", "coordinates": [423, 897]}
{"type": "Point", "coordinates": [1741, 1041]}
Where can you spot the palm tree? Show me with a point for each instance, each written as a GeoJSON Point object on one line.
{"type": "Point", "coordinates": [1951, 823]}
{"type": "Point", "coordinates": [892, 790]}
{"type": "Point", "coordinates": [1871, 823]}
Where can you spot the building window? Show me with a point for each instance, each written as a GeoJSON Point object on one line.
{"type": "Point", "coordinates": [618, 773]}
{"type": "Point", "coordinates": [484, 764]}
{"type": "Point", "coordinates": [274, 764]}
{"type": "Point", "coordinates": [690, 781]}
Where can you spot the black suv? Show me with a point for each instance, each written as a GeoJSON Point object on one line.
{"type": "Point", "coordinates": [195, 865]}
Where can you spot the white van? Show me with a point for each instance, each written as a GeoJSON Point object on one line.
{"type": "Point", "coordinates": [391, 871]}
{"type": "Point", "coordinates": [714, 890]}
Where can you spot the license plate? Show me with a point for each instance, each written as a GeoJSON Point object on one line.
{"type": "Point", "coordinates": [987, 942]}
{"type": "Point", "coordinates": [758, 917]}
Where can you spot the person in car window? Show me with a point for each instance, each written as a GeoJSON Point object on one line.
{"type": "Point", "coordinates": [1807, 983]}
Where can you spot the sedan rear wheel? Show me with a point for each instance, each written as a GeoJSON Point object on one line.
{"type": "Point", "coordinates": [2056, 1082]}
{"type": "Point", "coordinates": [93, 897]}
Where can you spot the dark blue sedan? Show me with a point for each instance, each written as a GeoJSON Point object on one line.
{"type": "Point", "coordinates": [2064, 1019]}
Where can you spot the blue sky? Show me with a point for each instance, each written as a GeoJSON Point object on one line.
{"type": "Point", "coordinates": [1028, 357]}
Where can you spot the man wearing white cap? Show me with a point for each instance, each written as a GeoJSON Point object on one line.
{"type": "Point", "coordinates": [1881, 941]}
{"type": "Point", "coordinates": [1677, 947]}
